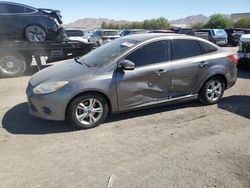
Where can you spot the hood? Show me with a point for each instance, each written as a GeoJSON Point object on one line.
{"type": "Point", "coordinates": [67, 71]}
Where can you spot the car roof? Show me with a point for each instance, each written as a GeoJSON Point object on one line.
{"type": "Point", "coordinates": [12, 3]}
{"type": "Point", "coordinates": [149, 36]}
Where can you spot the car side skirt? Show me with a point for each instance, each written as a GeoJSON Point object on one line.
{"type": "Point", "coordinates": [160, 103]}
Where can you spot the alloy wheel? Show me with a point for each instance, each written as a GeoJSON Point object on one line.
{"type": "Point", "coordinates": [35, 34]}
{"type": "Point", "coordinates": [89, 111]}
{"type": "Point", "coordinates": [214, 90]}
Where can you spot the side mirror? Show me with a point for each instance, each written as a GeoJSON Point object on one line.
{"type": "Point", "coordinates": [127, 65]}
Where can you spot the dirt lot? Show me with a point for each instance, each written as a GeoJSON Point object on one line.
{"type": "Point", "coordinates": [183, 145]}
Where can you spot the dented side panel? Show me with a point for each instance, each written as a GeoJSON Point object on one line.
{"type": "Point", "coordinates": [143, 85]}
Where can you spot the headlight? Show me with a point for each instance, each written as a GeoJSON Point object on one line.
{"type": "Point", "coordinates": [46, 88]}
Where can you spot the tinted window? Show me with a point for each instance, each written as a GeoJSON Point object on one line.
{"type": "Point", "coordinates": [186, 48]}
{"type": "Point", "coordinates": [206, 31]}
{"type": "Point", "coordinates": [125, 33]}
{"type": "Point", "coordinates": [29, 10]}
{"type": "Point", "coordinates": [155, 52]}
{"type": "Point", "coordinates": [9, 8]}
{"type": "Point", "coordinates": [98, 33]}
{"type": "Point", "coordinates": [207, 47]}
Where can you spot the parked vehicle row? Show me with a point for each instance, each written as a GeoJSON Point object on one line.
{"type": "Point", "coordinates": [221, 37]}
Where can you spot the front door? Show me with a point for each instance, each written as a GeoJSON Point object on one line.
{"type": "Point", "coordinates": [149, 82]}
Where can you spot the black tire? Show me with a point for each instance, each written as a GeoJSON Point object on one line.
{"type": "Point", "coordinates": [35, 33]}
{"type": "Point", "coordinates": [28, 60]}
{"type": "Point", "coordinates": [206, 97]}
{"type": "Point", "coordinates": [12, 65]}
{"type": "Point", "coordinates": [73, 110]}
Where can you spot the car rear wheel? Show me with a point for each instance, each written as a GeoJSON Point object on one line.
{"type": "Point", "coordinates": [88, 111]}
{"type": "Point", "coordinates": [12, 65]}
{"type": "Point", "coordinates": [212, 91]}
{"type": "Point", "coordinates": [35, 33]}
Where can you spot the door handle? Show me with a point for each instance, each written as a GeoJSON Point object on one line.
{"type": "Point", "coordinates": [203, 64]}
{"type": "Point", "coordinates": [161, 71]}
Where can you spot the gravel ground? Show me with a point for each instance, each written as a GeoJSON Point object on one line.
{"type": "Point", "coordinates": [182, 145]}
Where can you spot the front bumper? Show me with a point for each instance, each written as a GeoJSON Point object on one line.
{"type": "Point", "coordinates": [48, 106]}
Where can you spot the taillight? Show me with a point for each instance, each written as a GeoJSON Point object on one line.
{"type": "Point", "coordinates": [233, 58]}
{"type": "Point", "coordinates": [51, 17]}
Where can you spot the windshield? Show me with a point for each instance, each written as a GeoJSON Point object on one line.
{"type": "Point", "coordinates": [108, 52]}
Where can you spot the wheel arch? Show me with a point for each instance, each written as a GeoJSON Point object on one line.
{"type": "Point", "coordinates": [89, 92]}
{"type": "Point", "coordinates": [218, 75]}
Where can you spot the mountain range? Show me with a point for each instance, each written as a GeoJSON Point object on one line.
{"type": "Point", "coordinates": [93, 23]}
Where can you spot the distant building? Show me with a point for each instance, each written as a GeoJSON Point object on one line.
{"type": "Point", "coordinates": [238, 16]}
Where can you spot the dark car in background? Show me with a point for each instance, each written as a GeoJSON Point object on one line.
{"type": "Point", "coordinates": [217, 36]}
{"type": "Point", "coordinates": [22, 22]}
{"type": "Point", "coordinates": [185, 31]}
{"type": "Point", "coordinates": [234, 36]}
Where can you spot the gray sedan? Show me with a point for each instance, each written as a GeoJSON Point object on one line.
{"type": "Point", "coordinates": [129, 73]}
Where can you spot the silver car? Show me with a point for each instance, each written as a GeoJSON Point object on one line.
{"type": "Point", "coordinates": [104, 36]}
{"type": "Point", "coordinates": [132, 72]}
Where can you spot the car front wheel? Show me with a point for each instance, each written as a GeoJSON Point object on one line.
{"type": "Point", "coordinates": [88, 111]}
{"type": "Point", "coordinates": [212, 91]}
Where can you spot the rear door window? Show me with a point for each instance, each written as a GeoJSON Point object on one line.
{"type": "Point", "coordinates": [155, 52]}
{"type": "Point", "coordinates": [184, 48]}
{"type": "Point", "coordinates": [29, 10]}
{"type": "Point", "coordinates": [208, 48]}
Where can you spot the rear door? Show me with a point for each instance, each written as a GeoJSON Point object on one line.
{"type": "Point", "coordinates": [188, 66]}
{"type": "Point", "coordinates": [149, 82]}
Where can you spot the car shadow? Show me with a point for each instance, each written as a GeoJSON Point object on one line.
{"type": "Point", "coordinates": [18, 121]}
{"type": "Point", "coordinates": [237, 104]}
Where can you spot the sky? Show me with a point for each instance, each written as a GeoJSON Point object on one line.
{"type": "Point", "coordinates": [138, 10]}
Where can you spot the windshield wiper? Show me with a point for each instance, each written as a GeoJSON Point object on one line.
{"type": "Point", "coordinates": [76, 60]}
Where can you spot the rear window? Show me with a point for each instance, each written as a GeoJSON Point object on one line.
{"type": "Point", "coordinates": [184, 48]}
{"type": "Point", "coordinates": [219, 32]}
{"type": "Point", "coordinates": [110, 33]}
{"type": "Point", "coordinates": [29, 10]}
{"type": "Point", "coordinates": [139, 32]}
{"type": "Point", "coordinates": [74, 33]}
{"type": "Point", "coordinates": [208, 48]}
